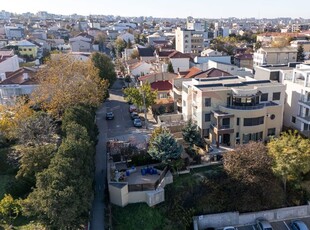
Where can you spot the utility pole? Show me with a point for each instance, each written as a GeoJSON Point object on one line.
{"type": "Point", "coordinates": [145, 109]}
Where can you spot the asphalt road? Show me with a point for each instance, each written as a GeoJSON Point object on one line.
{"type": "Point", "coordinates": [107, 129]}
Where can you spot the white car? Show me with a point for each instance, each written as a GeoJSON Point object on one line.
{"type": "Point", "coordinates": [230, 228]}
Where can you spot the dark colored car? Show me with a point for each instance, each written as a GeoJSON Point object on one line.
{"type": "Point", "coordinates": [109, 116]}
{"type": "Point", "coordinates": [298, 225]}
{"type": "Point", "coordinates": [137, 122]}
{"type": "Point", "coordinates": [134, 115]}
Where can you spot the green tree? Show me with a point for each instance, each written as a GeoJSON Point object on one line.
{"type": "Point", "coordinates": [63, 194]}
{"type": "Point", "coordinates": [170, 68]}
{"type": "Point", "coordinates": [291, 157]}
{"type": "Point", "coordinates": [165, 148]}
{"type": "Point", "coordinates": [191, 135]}
{"type": "Point", "coordinates": [300, 53]}
{"type": "Point", "coordinates": [155, 133]}
{"type": "Point", "coordinates": [120, 46]}
{"type": "Point", "coordinates": [258, 45]}
{"type": "Point", "coordinates": [105, 66]}
{"type": "Point", "coordinates": [82, 115]}
{"type": "Point", "coordinates": [77, 83]}
{"type": "Point", "coordinates": [136, 95]}
{"type": "Point", "coordinates": [34, 160]}
{"type": "Point", "coordinates": [9, 209]}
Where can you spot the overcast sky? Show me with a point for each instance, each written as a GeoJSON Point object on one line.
{"type": "Point", "coordinates": [166, 8]}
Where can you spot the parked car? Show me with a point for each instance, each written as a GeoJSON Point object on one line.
{"type": "Point", "coordinates": [132, 108]}
{"type": "Point", "coordinates": [298, 225]}
{"type": "Point", "coordinates": [137, 122]}
{"type": "Point", "coordinates": [109, 116]}
{"type": "Point", "coordinates": [134, 115]}
{"type": "Point", "coordinates": [263, 224]}
{"type": "Point", "coordinates": [230, 228]}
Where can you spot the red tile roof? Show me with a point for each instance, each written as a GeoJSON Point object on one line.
{"type": "Point", "coordinates": [213, 72]}
{"type": "Point", "coordinates": [177, 54]}
{"type": "Point", "coordinates": [161, 85]}
{"type": "Point", "coordinates": [192, 71]}
{"type": "Point", "coordinates": [162, 76]}
{"type": "Point", "coordinates": [22, 76]}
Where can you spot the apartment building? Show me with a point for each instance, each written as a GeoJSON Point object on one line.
{"type": "Point", "coordinates": [189, 41]}
{"type": "Point", "coordinates": [232, 110]}
{"type": "Point", "coordinates": [297, 101]}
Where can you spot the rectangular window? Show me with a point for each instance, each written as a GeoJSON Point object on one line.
{"type": "Point", "coordinates": [207, 102]}
{"type": "Point", "coordinates": [238, 121]}
{"type": "Point", "coordinates": [271, 132]}
{"type": "Point", "coordinates": [207, 117]}
{"type": "Point", "coordinates": [293, 119]}
{"type": "Point", "coordinates": [253, 121]}
{"type": "Point", "coordinates": [276, 96]}
{"type": "Point", "coordinates": [206, 133]}
{"type": "Point", "coordinates": [184, 103]}
{"type": "Point", "coordinates": [264, 97]}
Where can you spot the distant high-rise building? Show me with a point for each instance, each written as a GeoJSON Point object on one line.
{"type": "Point", "coordinates": [189, 41]}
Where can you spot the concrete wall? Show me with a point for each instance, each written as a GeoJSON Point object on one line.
{"type": "Point", "coordinates": [234, 218]}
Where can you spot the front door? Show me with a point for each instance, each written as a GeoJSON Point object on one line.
{"type": "Point", "coordinates": [226, 139]}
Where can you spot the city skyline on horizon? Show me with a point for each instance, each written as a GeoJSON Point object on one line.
{"type": "Point", "coordinates": [165, 9]}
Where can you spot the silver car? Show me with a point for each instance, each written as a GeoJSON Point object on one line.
{"type": "Point", "coordinates": [263, 224]}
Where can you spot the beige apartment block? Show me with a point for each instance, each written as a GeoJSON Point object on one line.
{"type": "Point", "coordinates": [232, 110]}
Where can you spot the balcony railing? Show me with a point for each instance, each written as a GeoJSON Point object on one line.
{"type": "Point", "coordinates": [222, 129]}
{"type": "Point", "coordinates": [251, 107]}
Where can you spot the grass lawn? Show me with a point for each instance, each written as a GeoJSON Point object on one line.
{"type": "Point", "coordinates": [141, 216]}
{"type": "Point", "coordinates": [4, 179]}
{"type": "Point", "coordinates": [137, 216]}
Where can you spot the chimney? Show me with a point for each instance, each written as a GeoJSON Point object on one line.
{"type": "Point", "coordinates": [2, 76]}
{"type": "Point", "coordinates": [25, 76]}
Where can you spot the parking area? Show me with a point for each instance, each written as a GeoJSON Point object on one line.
{"type": "Point", "coordinates": [278, 225]}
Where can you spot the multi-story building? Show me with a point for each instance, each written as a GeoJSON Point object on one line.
{"type": "Point", "coordinates": [232, 110]}
{"type": "Point", "coordinates": [297, 102]}
{"type": "Point", "coordinates": [189, 41]}
{"type": "Point", "coordinates": [274, 56]}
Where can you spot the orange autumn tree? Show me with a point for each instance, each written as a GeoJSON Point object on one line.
{"type": "Point", "coordinates": [65, 82]}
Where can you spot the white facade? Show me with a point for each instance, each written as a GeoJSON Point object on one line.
{"type": "Point", "coordinates": [9, 65]}
{"type": "Point", "coordinates": [141, 68]}
{"type": "Point", "coordinates": [189, 41]}
{"type": "Point", "coordinates": [180, 64]}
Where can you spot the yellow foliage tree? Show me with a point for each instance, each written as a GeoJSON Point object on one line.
{"type": "Point", "coordinates": [65, 82]}
{"type": "Point", "coordinates": [12, 115]}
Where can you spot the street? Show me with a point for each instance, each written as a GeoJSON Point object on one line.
{"type": "Point", "coordinates": [121, 128]}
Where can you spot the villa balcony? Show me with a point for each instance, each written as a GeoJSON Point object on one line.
{"type": "Point", "coordinates": [304, 103]}
{"type": "Point", "coordinates": [304, 118]}
{"type": "Point", "coordinates": [222, 129]}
